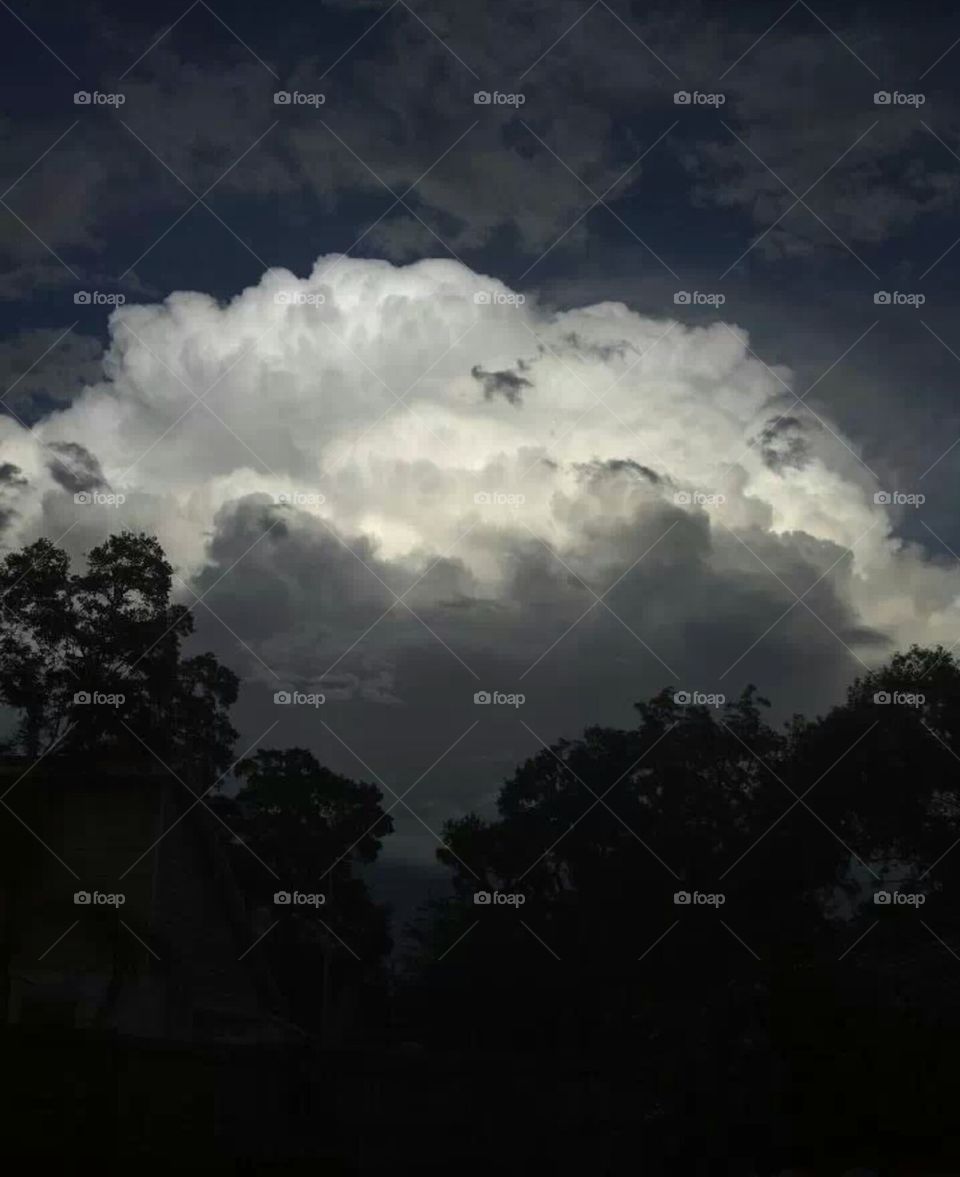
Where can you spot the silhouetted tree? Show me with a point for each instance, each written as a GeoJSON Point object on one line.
{"type": "Point", "coordinates": [92, 661]}
{"type": "Point", "coordinates": [313, 827]}
{"type": "Point", "coordinates": [109, 631]}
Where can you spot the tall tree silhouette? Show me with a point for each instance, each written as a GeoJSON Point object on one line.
{"type": "Point", "coordinates": [68, 639]}
{"type": "Point", "coordinates": [314, 828]}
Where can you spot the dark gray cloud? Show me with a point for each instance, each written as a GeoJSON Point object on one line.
{"type": "Point", "coordinates": [783, 444]}
{"type": "Point", "coordinates": [11, 475]}
{"type": "Point", "coordinates": [74, 467]}
{"type": "Point", "coordinates": [400, 691]}
{"type": "Point", "coordinates": [507, 384]}
{"type": "Point", "coordinates": [514, 175]}
{"type": "Point", "coordinates": [621, 465]}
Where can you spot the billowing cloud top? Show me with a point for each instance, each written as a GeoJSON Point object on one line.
{"type": "Point", "coordinates": [585, 496]}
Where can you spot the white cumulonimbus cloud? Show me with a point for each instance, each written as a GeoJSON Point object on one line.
{"type": "Point", "coordinates": [317, 445]}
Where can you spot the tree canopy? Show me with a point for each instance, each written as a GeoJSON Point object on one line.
{"type": "Point", "coordinates": [802, 992]}
{"type": "Point", "coordinates": [92, 662]}
{"type": "Point", "coordinates": [93, 659]}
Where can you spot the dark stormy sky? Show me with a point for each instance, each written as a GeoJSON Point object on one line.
{"type": "Point", "coordinates": [571, 394]}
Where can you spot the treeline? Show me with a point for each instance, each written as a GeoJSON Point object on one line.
{"type": "Point", "coordinates": [758, 923]}
{"type": "Point", "coordinates": [92, 664]}
{"type": "Point", "coordinates": [761, 924]}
